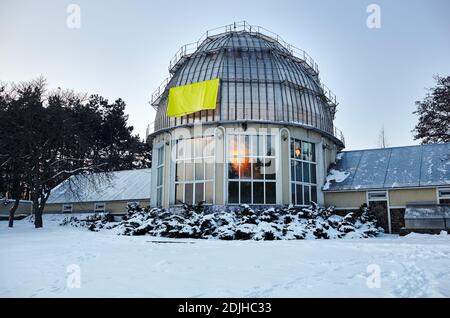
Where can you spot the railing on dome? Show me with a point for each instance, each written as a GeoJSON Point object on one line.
{"type": "Point", "coordinates": [187, 50]}
{"type": "Point", "coordinates": [339, 135]}
{"type": "Point", "coordinates": [244, 26]}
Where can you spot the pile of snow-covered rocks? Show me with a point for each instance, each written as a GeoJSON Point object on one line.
{"type": "Point", "coordinates": [237, 223]}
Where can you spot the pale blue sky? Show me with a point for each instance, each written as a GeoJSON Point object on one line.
{"type": "Point", "coordinates": [123, 49]}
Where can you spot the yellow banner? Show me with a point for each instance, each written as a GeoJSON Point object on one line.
{"type": "Point", "coordinates": [191, 98]}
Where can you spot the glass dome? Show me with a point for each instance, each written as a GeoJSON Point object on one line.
{"type": "Point", "coordinates": [262, 79]}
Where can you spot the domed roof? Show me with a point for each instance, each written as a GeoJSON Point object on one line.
{"type": "Point", "coordinates": [260, 80]}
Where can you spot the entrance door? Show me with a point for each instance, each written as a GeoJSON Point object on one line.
{"type": "Point", "coordinates": [378, 204]}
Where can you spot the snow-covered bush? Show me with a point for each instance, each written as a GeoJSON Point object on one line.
{"type": "Point", "coordinates": [93, 222]}
{"type": "Point", "coordinates": [232, 223]}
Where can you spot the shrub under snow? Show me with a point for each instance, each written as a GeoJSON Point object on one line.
{"type": "Point", "coordinates": [241, 223]}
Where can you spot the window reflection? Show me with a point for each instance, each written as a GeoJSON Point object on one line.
{"type": "Point", "coordinates": [251, 169]}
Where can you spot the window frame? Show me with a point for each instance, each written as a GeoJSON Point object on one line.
{"type": "Point", "coordinates": [97, 209]}
{"type": "Point", "coordinates": [64, 210]}
{"type": "Point", "coordinates": [441, 197]}
{"type": "Point", "coordinates": [192, 159]}
{"type": "Point", "coordinates": [251, 156]}
{"type": "Point", "coordinates": [160, 167]}
{"type": "Point", "coordinates": [379, 198]}
{"type": "Point", "coordinates": [293, 182]}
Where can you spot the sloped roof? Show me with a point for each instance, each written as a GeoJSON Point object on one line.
{"type": "Point", "coordinates": [399, 167]}
{"type": "Point", "coordinates": [123, 185]}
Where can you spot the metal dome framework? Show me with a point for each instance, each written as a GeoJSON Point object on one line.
{"type": "Point", "coordinates": [263, 79]}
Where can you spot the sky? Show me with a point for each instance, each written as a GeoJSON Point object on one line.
{"type": "Point", "coordinates": [122, 50]}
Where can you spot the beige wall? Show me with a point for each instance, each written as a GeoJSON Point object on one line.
{"type": "Point", "coordinates": [402, 197]}
{"type": "Point", "coordinates": [115, 207]}
{"type": "Point", "coordinates": [345, 199]}
{"type": "Point", "coordinates": [398, 198]}
{"type": "Point", "coordinates": [25, 207]}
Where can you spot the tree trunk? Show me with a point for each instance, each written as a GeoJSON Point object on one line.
{"type": "Point", "coordinates": [12, 211]}
{"type": "Point", "coordinates": [38, 219]}
{"type": "Point", "coordinates": [37, 211]}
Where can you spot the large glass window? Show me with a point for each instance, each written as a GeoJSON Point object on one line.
{"type": "Point", "coordinates": [251, 165]}
{"type": "Point", "coordinates": [303, 172]}
{"type": "Point", "coordinates": [194, 170]}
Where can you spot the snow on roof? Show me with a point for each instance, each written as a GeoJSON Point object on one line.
{"type": "Point", "coordinates": [123, 185]}
{"type": "Point", "coordinates": [399, 167]}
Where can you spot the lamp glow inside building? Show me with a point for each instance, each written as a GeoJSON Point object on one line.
{"type": "Point", "coordinates": [243, 119]}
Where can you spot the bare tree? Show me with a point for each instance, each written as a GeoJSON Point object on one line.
{"type": "Point", "coordinates": [382, 139]}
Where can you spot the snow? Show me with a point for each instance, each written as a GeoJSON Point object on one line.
{"type": "Point", "coordinates": [123, 185]}
{"type": "Point", "coordinates": [35, 263]}
{"type": "Point", "coordinates": [397, 167]}
{"type": "Point", "coordinates": [335, 176]}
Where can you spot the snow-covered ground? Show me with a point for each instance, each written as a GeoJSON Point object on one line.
{"type": "Point", "coordinates": [35, 263]}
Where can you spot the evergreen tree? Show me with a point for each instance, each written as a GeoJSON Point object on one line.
{"type": "Point", "coordinates": [47, 137]}
{"type": "Point", "coordinates": [434, 113]}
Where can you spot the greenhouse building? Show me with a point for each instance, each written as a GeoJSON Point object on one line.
{"type": "Point", "coordinates": [242, 119]}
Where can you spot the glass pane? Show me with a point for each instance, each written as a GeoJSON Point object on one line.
{"type": "Point", "coordinates": [258, 192]}
{"type": "Point", "coordinates": [199, 173]}
{"type": "Point", "coordinates": [188, 153]}
{"type": "Point", "coordinates": [180, 149]}
{"type": "Point", "coordinates": [293, 165]}
{"type": "Point", "coordinates": [209, 167]}
{"type": "Point", "coordinates": [298, 171]}
{"type": "Point", "coordinates": [258, 145]}
{"type": "Point", "coordinates": [209, 146]}
{"type": "Point", "coordinates": [233, 192]}
{"type": "Point", "coordinates": [314, 194]}
{"type": "Point", "coordinates": [198, 147]}
{"type": "Point", "coordinates": [199, 192]}
{"type": "Point", "coordinates": [293, 193]}
{"type": "Point", "coordinates": [257, 168]}
{"type": "Point", "coordinates": [305, 172]}
{"type": "Point", "coordinates": [189, 170]}
{"type": "Point", "coordinates": [189, 193]}
{"type": "Point", "coordinates": [306, 151]}
{"type": "Point", "coordinates": [233, 145]}
{"type": "Point", "coordinates": [313, 174]}
{"type": "Point", "coordinates": [245, 168]}
{"type": "Point", "coordinates": [246, 192]}
{"type": "Point", "coordinates": [299, 194]}
{"type": "Point", "coordinates": [297, 150]}
{"type": "Point", "coordinates": [270, 169]}
{"type": "Point", "coordinates": [271, 192]}
{"type": "Point", "coordinates": [159, 197]}
{"type": "Point", "coordinates": [313, 152]}
{"type": "Point", "coordinates": [179, 188]}
{"type": "Point", "coordinates": [233, 169]}
{"type": "Point", "coordinates": [270, 145]}
{"type": "Point", "coordinates": [306, 198]}
{"type": "Point", "coordinates": [292, 148]}
{"type": "Point", "coordinates": [160, 156]}
{"type": "Point", "coordinates": [244, 146]}
{"type": "Point", "coordinates": [159, 176]}
{"type": "Point", "coordinates": [179, 171]}
{"type": "Point", "coordinates": [208, 192]}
